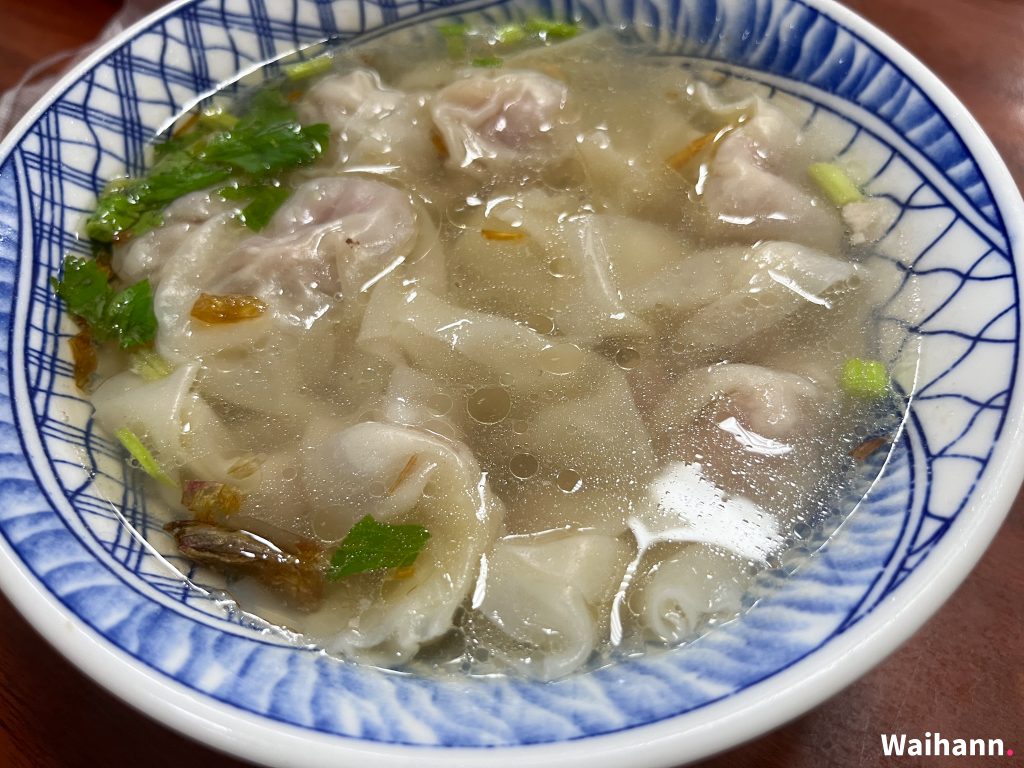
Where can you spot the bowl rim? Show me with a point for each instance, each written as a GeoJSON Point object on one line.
{"type": "Point", "coordinates": [751, 712]}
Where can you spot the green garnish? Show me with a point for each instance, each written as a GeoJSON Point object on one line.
{"type": "Point", "coordinates": [302, 70]}
{"type": "Point", "coordinates": [265, 141]}
{"type": "Point", "coordinates": [866, 379]}
{"type": "Point", "coordinates": [130, 317]}
{"type": "Point", "coordinates": [217, 118]}
{"type": "Point", "coordinates": [372, 546]}
{"type": "Point", "coordinates": [264, 200]}
{"type": "Point", "coordinates": [141, 454]}
{"type": "Point", "coordinates": [260, 148]}
{"type": "Point", "coordinates": [509, 34]}
{"type": "Point", "coordinates": [150, 366]}
{"type": "Point", "coordinates": [124, 316]}
{"type": "Point", "coordinates": [463, 38]}
{"type": "Point", "coordinates": [548, 29]}
{"type": "Point", "coordinates": [455, 38]}
{"type": "Point", "coordinates": [129, 207]}
{"type": "Point", "coordinates": [837, 186]}
{"type": "Point", "coordinates": [454, 30]}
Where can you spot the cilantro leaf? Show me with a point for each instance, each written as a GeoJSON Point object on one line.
{"type": "Point", "coordinates": [265, 202]}
{"type": "Point", "coordinates": [84, 289]}
{"type": "Point", "coordinates": [129, 315]}
{"type": "Point", "coordinates": [266, 140]}
{"type": "Point", "coordinates": [263, 149]}
{"type": "Point", "coordinates": [371, 546]}
{"type": "Point", "coordinates": [125, 316]}
{"type": "Point", "coordinates": [176, 176]}
{"type": "Point", "coordinates": [117, 211]}
{"type": "Point", "coordinates": [134, 205]}
{"type": "Point", "coordinates": [266, 107]}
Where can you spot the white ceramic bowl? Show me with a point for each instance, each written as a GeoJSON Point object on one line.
{"type": "Point", "coordinates": [94, 579]}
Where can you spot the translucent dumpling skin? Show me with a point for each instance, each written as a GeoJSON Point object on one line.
{"type": "Point", "coordinates": [542, 361]}
{"type": "Point", "coordinates": [501, 120]}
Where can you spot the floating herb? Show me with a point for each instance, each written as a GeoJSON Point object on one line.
{"type": "Point", "coordinates": [373, 546]}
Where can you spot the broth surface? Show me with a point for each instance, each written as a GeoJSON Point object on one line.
{"type": "Point", "coordinates": [579, 311]}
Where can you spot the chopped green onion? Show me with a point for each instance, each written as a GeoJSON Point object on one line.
{"type": "Point", "coordinates": [372, 546]}
{"type": "Point", "coordinates": [455, 38]}
{"type": "Point", "coordinates": [487, 61]}
{"type": "Point", "coordinates": [142, 455]}
{"type": "Point", "coordinates": [454, 30]}
{"type": "Point", "coordinates": [837, 186]}
{"type": "Point", "coordinates": [217, 118]}
{"type": "Point", "coordinates": [510, 33]}
{"type": "Point", "coordinates": [150, 366]}
{"type": "Point", "coordinates": [301, 70]}
{"type": "Point", "coordinates": [867, 379]}
{"type": "Point", "coordinates": [548, 29]}
{"type": "Point", "coordinates": [459, 36]}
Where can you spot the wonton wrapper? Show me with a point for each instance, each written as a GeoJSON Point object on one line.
{"type": "Point", "coordinates": [499, 121]}
{"type": "Point", "coordinates": [372, 126]}
{"type": "Point", "coordinates": [747, 193]}
{"type": "Point", "coordinates": [569, 267]}
{"type": "Point", "coordinates": [551, 595]}
{"type": "Point", "coordinates": [729, 295]}
{"type": "Point", "coordinates": [689, 589]}
{"type": "Point", "coordinates": [331, 241]}
{"type": "Point", "coordinates": [402, 475]}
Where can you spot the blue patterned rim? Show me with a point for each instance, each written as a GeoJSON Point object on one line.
{"type": "Point", "coordinates": [70, 559]}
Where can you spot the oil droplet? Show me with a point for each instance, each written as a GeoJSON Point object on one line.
{"type": "Point", "coordinates": [227, 363]}
{"type": "Point", "coordinates": [561, 359]}
{"type": "Point", "coordinates": [289, 473]}
{"type": "Point", "coordinates": [489, 405]}
{"type": "Point", "coordinates": [377, 488]}
{"type": "Point", "coordinates": [627, 358]}
{"type": "Point", "coordinates": [569, 481]}
{"type": "Point", "coordinates": [506, 379]}
{"type": "Point", "coordinates": [439, 404]}
{"type": "Point", "coordinates": [519, 426]}
{"type": "Point", "coordinates": [523, 465]}
{"type": "Point", "coordinates": [542, 324]}
{"type": "Point", "coordinates": [560, 266]}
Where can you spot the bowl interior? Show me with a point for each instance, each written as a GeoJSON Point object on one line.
{"type": "Point", "coordinates": [952, 314]}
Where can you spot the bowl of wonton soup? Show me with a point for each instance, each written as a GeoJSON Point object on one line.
{"type": "Point", "coordinates": [822, 161]}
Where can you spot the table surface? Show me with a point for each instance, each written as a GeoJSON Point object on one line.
{"type": "Point", "coordinates": [962, 674]}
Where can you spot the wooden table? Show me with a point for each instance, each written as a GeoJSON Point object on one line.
{"type": "Point", "coordinates": [961, 675]}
